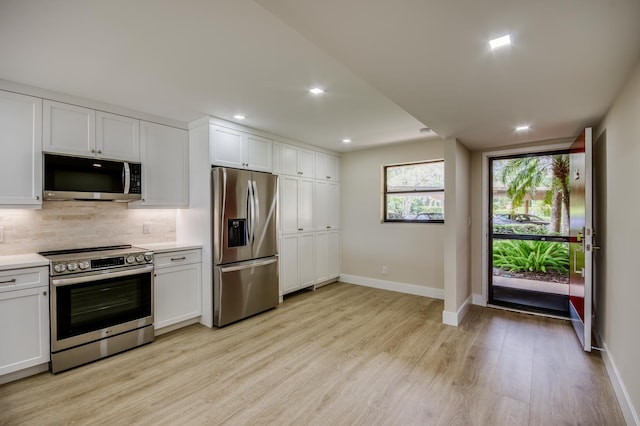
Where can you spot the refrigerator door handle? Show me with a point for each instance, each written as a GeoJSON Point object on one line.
{"type": "Point", "coordinates": [223, 192]}
{"type": "Point", "coordinates": [256, 208]}
{"type": "Point", "coordinates": [249, 265]}
{"type": "Point", "coordinates": [249, 212]}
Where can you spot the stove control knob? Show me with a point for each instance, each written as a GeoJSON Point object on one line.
{"type": "Point", "coordinates": [131, 259]}
{"type": "Point", "coordinates": [72, 266]}
{"type": "Point", "coordinates": [140, 258]}
{"type": "Point", "coordinates": [148, 257]}
{"type": "Point", "coordinates": [83, 265]}
{"type": "Point", "coordinates": [60, 267]}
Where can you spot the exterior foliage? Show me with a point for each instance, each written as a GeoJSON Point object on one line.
{"type": "Point", "coordinates": [532, 256]}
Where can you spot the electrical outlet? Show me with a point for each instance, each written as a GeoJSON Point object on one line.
{"type": "Point", "coordinates": [1, 234]}
{"type": "Point", "coordinates": [385, 270]}
{"type": "Point", "coordinates": [146, 227]}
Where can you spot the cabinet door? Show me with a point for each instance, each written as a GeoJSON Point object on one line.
{"type": "Point", "coordinates": [165, 166]}
{"type": "Point", "coordinates": [68, 129]}
{"type": "Point", "coordinates": [289, 278]}
{"type": "Point", "coordinates": [177, 294]}
{"type": "Point", "coordinates": [20, 150]}
{"type": "Point", "coordinates": [305, 204]}
{"type": "Point", "coordinates": [288, 204]}
{"type": "Point", "coordinates": [227, 147]}
{"type": "Point", "coordinates": [333, 254]}
{"type": "Point", "coordinates": [24, 329]}
{"type": "Point", "coordinates": [306, 163]}
{"type": "Point", "coordinates": [259, 151]}
{"type": "Point", "coordinates": [289, 160]}
{"type": "Point", "coordinates": [327, 167]}
{"type": "Point", "coordinates": [307, 259]}
{"type": "Point", "coordinates": [117, 137]}
{"type": "Point", "coordinates": [333, 206]}
{"type": "Point", "coordinates": [321, 205]}
{"type": "Point", "coordinates": [333, 168]}
{"type": "Point", "coordinates": [322, 267]}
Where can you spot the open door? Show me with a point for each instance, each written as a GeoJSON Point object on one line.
{"type": "Point", "coordinates": [581, 238]}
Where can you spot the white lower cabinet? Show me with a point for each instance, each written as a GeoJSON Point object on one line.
{"type": "Point", "coordinates": [327, 256]}
{"type": "Point", "coordinates": [177, 289]}
{"type": "Point", "coordinates": [24, 319]}
{"type": "Point", "coordinates": [297, 262]}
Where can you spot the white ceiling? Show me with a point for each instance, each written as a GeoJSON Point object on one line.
{"type": "Point", "coordinates": [389, 67]}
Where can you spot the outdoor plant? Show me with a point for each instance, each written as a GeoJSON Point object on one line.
{"type": "Point", "coordinates": [532, 256]}
{"type": "Point", "coordinates": [516, 228]}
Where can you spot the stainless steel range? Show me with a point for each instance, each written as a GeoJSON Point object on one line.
{"type": "Point", "coordinates": [101, 303]}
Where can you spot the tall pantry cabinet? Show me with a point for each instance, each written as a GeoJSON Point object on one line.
{"type": "Point", "coordinates": [309, 217]}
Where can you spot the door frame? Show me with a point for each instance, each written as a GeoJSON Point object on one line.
{"type": "Point", "coordinates": [545, 146]}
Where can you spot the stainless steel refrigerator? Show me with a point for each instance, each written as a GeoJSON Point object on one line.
{"type": "Point", "coordinates": [245, 250]}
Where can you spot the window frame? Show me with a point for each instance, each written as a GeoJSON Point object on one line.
{"type": "Point", "coordinates": [385, 192]}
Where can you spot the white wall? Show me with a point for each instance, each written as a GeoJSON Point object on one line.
{"type": "Point", "coordinates": [618, 287]}
{"type": "Point", "coordinates": [457, 284]}
{"type": "Point", "coordinates": [412, 252]}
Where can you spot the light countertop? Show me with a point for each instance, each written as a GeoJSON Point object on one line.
{"type": "Point", "coordinates": [22, 261]}
{"type": "Point", "coordinates": [167, 247]}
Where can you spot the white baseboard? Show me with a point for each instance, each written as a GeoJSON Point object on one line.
{"type": "Point", "coordinates": [628, 411]}
{"type": "Point", "coordinates": [455, 318]}
{"type": "Point", "coordinates": [478, 299]}
{"type": "Point", "coordinates": [417, 290]}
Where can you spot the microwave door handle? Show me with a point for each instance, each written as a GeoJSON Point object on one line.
{"type": "Point", "coordinates": [126, 177]}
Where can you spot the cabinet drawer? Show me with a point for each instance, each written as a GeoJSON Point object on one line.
{"type": "Point", "coordinates": [18, 279]}
{"type": "Point", "coordinates": [175, 258]}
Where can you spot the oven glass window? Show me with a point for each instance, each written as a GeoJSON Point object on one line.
{"type": "Point", "coordinates": [93, 306]}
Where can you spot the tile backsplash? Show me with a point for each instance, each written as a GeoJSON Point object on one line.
{"type": "Point", "coordinates": [73, 224]}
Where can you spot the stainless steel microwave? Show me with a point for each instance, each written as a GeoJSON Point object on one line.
{"type": "Point", "coordinates": [78, 178]}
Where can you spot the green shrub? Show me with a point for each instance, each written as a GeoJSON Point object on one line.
{"type": "Point", "coordinates": [517, 228]}
{"type": "Point", "coordinates": [533, 256]}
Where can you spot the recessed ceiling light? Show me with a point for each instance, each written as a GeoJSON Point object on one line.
{"type": "Point", "coordinates": [239, 117]}
{"type": "Point", "coordinates": [316, 91]}
{"type": "Point", "coordinates": [505, 40]}
{"type": "Point", "coordinates": [522, 128]}
{"type": "Point", "coordinates": [346, 140]}
{"type": "Point", "coordinates": [425, 130]}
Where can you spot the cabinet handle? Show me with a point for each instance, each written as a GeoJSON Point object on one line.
{"type": "Point", "coordinates": [93, 151]}
{"type": "Point", "coordinates": [328, 227]}
{"type": "Point", "coordinates": [44, 293]}
{"type": "Point", "coordinates": [300, 229]}
{"type": "Point", "coordinates": [99, 151]}
{"type": "Point", "coordinates": [328, 177]}
{"type": "Point", "coordinates": [175, 259]}
{"type": "Point", "coordinates": [37, 197]}
{"type": "Point", "coordinates": [13, 280]}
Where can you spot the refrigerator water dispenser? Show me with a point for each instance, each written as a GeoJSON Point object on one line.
{"type": "Point", "coordinates": [237, 232]}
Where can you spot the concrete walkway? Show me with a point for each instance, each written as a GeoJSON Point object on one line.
{"type": "Point", "coordinates": [534, 285]}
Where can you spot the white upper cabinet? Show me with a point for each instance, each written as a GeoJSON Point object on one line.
{"type": "Point", "coordinates": [327, 167]}
{"type": "Point", "coordinates": [238, 149]}
{"type": "Point", "coordinates": [20, 149]}
{"type": "Point", "coordinates": [75, 130]}
{"type": "Point", "coordinates": [296, 161]}
{"type": "Point", "coordinates": [165, 166]}
{"type": "Point", "coordinates": [327, 208]}
{"type": "Point", "coordinates": [117, 137]}
{"type": "Point", "coordinates": [296, 204]}
{"type": "Point", "coordinates": [69, 129]}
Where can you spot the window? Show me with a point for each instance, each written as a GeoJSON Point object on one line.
{"type": "Point", "coordinates": [414, 192]}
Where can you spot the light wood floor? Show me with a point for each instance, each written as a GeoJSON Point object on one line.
{"type": "Point", "coordinates": [341, 355]}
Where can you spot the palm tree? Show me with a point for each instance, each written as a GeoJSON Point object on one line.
{"type": "Point", "coordinates": [523, 176]}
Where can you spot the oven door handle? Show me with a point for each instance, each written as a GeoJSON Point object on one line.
{"type": "Point", "coordinates": [60, 282]}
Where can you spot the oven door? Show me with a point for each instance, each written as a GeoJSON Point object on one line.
{"type": "Point", "coordinates": [90, 307]}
